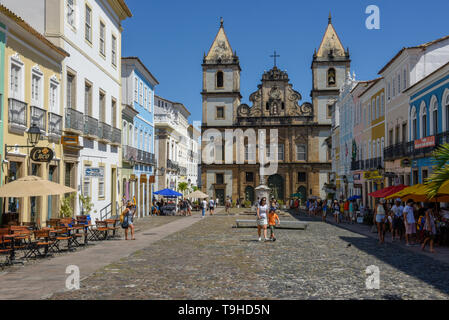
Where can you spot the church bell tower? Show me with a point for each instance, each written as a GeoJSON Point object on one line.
{"type": "Point", "coordinates": [221, 82]}
{"type": "Point", "coordinates": [329, 68]}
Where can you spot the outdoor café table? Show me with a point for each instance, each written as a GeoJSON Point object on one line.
{"type": "Point", "coordinates": [12, 257]}
{"type": "Point", "coordinates": [113, 222]}
{"type": "Point", "coordinates": [81, 226]}
{"type": "Point", "coordinates": [69, 235]}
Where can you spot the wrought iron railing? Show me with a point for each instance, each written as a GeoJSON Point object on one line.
{"type": "Point", "coordinates": [54, 124]}
{"type": "Point", "coordinates": [90, 126]}
{"type": "Point", "coordinates": [74, 120]}
{"type": "Point", "coordinates": [17, 112]}
{"type": "Point", "coordinates": [104, 131]}
{"type": "Point", "coordinates": [116, 135]}
{"type": "Point", "coordinates": [172, 165]}
{"type": "Point", "coordinates": [129, 153]}
{"type": "Point", "coordinates": [38, 117]}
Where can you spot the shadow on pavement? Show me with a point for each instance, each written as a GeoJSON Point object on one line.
{"type": "Point", "coordinates": [427, 269]}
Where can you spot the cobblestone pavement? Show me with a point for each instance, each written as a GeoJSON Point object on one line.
{"type": "Point", "coordinates": [212, 260]}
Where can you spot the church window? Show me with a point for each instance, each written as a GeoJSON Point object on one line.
{"type": "Point", "coordinates": [281, 152]}
{"type": "Point", "coordinates": [220, 82]}
{"type": "Point", "coordinates": [331, 77]}
{"type": "Point", "coordinates": [220, 112]}
{"type": "Point", "coordinates": [301, 152]}
{"type": "Point", "coordinates": [329, 111]}
{"type": "Point", "coordinates": [267, 106]}
{"type": "Point", "coordinates": [283, 106]}
{"type": "Point", "coordinates": [302, 177]}
{"type": "Point", "coordinates": [249, 177]}
{"type": "Point", "coordinates": [219, 178]}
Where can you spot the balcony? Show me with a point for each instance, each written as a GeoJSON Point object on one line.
{"type": "Point", "coordinates": [17, 116]}
{"type": "Point", "coordinates": [371, 164]}
{"type": "Point", "coordinates": [116, 136]}
{"type": "Point", "coordinates": [129, 153]}
{"type": "Point", "coordinates": [90, 127]}
{"type": "Point", "coordinates": [146, 158]}
{"type": "Point", "coordinates": [54, 126]}
{"type": "Point", "coordinates": [182, 171]}
{"type": "Point", "coordinates": [396, 151]}
{"type": "Point", "coordinates": [38, 117]}
{"type": "Point", "coordinates": [104, 132]}
{"type": "Point", "coordinates": [74, 121]}
{"type": "Point", "coordinates": [171, 165]}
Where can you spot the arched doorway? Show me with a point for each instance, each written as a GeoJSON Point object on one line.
{"type": "Point", "coordinates": [276, 184]}
{"type": "Point", "coordinates": [249, 194]}
{"type": "Point", "coordinates": [303, 191]}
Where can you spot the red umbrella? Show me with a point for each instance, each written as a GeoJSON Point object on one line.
{"type": "Point", "coordinates": [385, 192]}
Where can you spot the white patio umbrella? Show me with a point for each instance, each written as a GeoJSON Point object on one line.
{"type": "Point", "coordinates": [197, 195]}
{"type": "Point", "coordinates": [32, 186]}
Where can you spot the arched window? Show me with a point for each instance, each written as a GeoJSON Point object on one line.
{"type": "Point", "coordinates": [414, 125]}
{"type": "Point", "coordinates": [125, 134]}
{"type": "Point", "coordinates": [377, 107]}
{"type": "Point", "coordinates": [331, 77]}
{"type": "Point", "coordinates": [423, 116]}
{"type": "Point", "coordinates": [434, 116]}
{"type": "Point", "coordinates": [446, 109]}
{"type": "Point", "coordinates": [382, 147]}
{"type": "Point", "coordinates": [220, 79]}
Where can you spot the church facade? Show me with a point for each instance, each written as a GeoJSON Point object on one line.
{"type": "Point", "coordinates": [303, 157]}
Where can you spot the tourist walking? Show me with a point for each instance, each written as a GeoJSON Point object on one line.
{"type": "Point", "coordinates": [203, 208]}
{"type": "Point", "coordinates": [216, 203]}
{"type": "Point", "coordinates": [336, 209]}
{"type": "Point", "coordinates": [128, 220]}
{"type": "Point", "coordinates": [272, 218]}
{"type": "Point", "coordinates": [429, 228]}
{"type": "Point", "coordinates": [211, 206]}
{"type": "Point", "coordinates": [228, 205]}
{"type": "Point", "coordinates": [398, 221]}
{"type": "Point", "coordinates": [262, 222]}
{"type": "Point", "coordinates": [379, 220]}
{"type": "Point", "coordinates": [346, 210]}
{"type": "Point", "coordinates": [352, 212]}
{"type": "Point", "coordinates": [409, 222]}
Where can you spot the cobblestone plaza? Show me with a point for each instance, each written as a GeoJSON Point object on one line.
{"type": "Point", "coordinates": [212, 260]}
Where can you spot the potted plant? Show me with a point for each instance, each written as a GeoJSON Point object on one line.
{"type": "Point", "coordinates": [66, 209]}
{"type": "Point", "coordinates": [86, 206]}
{"type": "Point", "coordinates": [247, 204]}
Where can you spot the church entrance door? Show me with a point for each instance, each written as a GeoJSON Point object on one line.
{"type": "Point", "coordinates": [220, 195]}
{"type": "Point", "coordinates": [249, 194]}
{"type": "Point", "coordinates": [276, 184]}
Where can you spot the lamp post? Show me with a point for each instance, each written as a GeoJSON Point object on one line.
{"type": "Point", "coordinates": [34, 135]}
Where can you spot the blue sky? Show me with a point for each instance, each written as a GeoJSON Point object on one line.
{"type": "Point", "coordinates": [170, 37]}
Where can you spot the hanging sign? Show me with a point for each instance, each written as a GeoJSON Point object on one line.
{"type": "Point", "coordinates": [42, 154]}
{"type": "Point", "coordinates": [94, 172]}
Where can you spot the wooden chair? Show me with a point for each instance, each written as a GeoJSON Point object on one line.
{"type": "Point", "coordinates": [5, 246]}
{"type": "Point", "coordinates": [63, 234]}
{"type": "Point", "coordinates": [42, 240]}
{"type": "Point", "coordinates": [101, 230]}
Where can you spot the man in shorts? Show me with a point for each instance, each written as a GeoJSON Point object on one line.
{"type": "Point", "coordinates": [211, 206]}
{"type": "Point", "coordinates": [398, 210]}
{"type": "Point", "coordinates": [409, 222]}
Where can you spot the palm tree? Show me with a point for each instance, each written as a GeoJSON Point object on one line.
{"type": "Point", "coordinates": [440, 170]}
{"type": "Point", "coordinates": [182, 186]}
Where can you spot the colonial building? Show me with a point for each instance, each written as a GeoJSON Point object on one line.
{"type": "Point", "coordinates": [32, 66]}
{"type": "Point", "coordinates": [193, 156]}
{"type": "Point", "coordinates": [2, 86]}
{"type": "Point", "coordinates": [90, 31]}
{"type": "Point", "coordinates": [429, 121]}
{"type": "Point", "coordinates": [171, 143]}
{"type": "Point", "coordinates": [303, 163]}
{"type": "Point", "coordinates": [139, 161]}
{"type": "Point", "coordinates": [407, 67]}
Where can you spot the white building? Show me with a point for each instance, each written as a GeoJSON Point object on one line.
{"type": "Point", "coordinates": [90, 31]}
{"type": "Point", "coordinates": [171, 143]}
{"type": "Point", "coordinates": [194, 156]}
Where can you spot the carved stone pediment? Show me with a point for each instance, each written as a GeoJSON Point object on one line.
{"type": "Point", "coordinates": [274, 98]}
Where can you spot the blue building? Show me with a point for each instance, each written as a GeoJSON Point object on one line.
{"type": "Point", "coordinates": [428, 121]}
{"type": "Point", "coordinates": [138, 162]}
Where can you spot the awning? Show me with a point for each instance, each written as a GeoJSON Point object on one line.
{"type": "Point", "coordinates": [385, 192]}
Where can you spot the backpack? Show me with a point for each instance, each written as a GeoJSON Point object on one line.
{"type": "Point", "coordinates": [125, 223]}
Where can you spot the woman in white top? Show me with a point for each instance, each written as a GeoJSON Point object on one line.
{"type": "Point", "coordinates": [379, 218]}
{"type": "Point", "coordinates": [262, 221]}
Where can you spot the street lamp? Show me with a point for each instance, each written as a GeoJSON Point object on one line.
{"type": "Point", "coordinates": [34, 135]}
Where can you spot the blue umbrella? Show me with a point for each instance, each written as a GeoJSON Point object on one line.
{"type": "Point", "coordinates": [168, 193]}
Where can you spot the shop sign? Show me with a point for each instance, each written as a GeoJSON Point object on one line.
{"type": "Point", "coordinates": [42, 154]}
{"type": "Point", "coordinates": [356, 177]}
{"type": "Point", "coordinates": [143, 178]}
{"type": "Point", "coordinates": [372, 175]}
{"type": "Point", "coordinates": [425, 142]}
{"type": "Point", "coordinates": [94, 172]}
{"type": "Point", "coordinates": [358, 186]}
{"type": "Point", "coordinates": [405, 163]}
{"type": "Point", "coordinates": [152, 179]}
{"type": "Point", "coordinates": [132, 177]}
{"type": "Point", "coordinates": [70, 140]}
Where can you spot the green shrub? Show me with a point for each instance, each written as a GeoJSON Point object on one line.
{"type": "Point", "coordinates": [247, 204]}
{"type": "Point", "coordinates": [66, 209]}
{"type": "Point", "coordinates": [281, 202]}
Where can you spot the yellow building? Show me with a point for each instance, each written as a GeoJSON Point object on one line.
{"type": "Point", "coordinates": [373, 102]}
{"type": "Point", "coordinates": [32, 96]}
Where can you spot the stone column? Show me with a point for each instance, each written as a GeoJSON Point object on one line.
{"type": "Point", "coordinates": [137, 185]}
